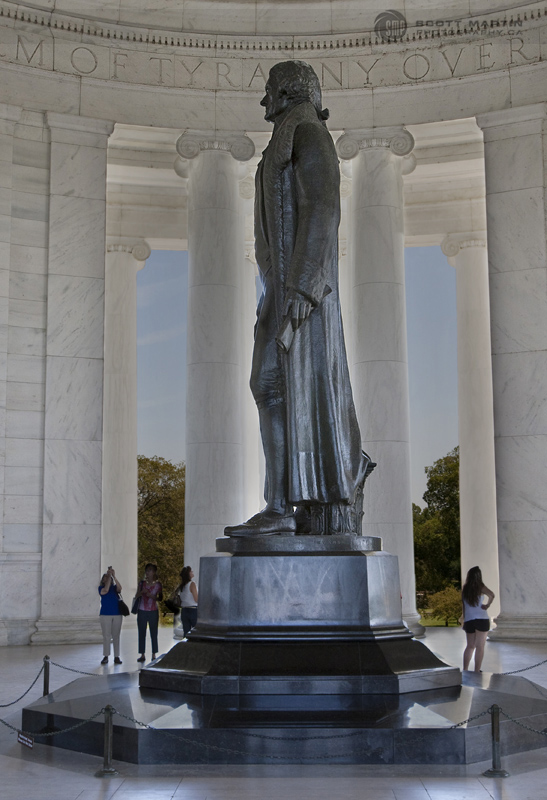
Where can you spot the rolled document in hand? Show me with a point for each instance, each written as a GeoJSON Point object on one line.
{"type": "Point", "coordinates": [285, 334]}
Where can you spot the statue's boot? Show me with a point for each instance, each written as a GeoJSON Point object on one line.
{"type": "Point", "coordinates": [265, 523]}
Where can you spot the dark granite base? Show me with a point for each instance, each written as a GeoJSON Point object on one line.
{"type": "Point", "coordinates": [334, 729]}
{"type": "Point", "coordinates": [390, 666]}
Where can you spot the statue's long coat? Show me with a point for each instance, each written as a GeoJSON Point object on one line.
{"type": "Point", "coordinates": [297, 213]}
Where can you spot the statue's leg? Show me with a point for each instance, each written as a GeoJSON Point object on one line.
{"type": "Point", "coordinates": [274, 442]}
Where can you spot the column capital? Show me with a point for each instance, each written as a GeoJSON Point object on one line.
{"type": "Point", "coordinates": [530, 119]}
{"type": "Point", "coordinates": [138, 248]}
{"type": "Point", "coordinates": [454, 243]}
{"type": "Point", "coordinates": [395, 138]}
{"type": "Point", "coordinates": [192, 143]}
{"type": "Point", "coordinates": [70, 128]}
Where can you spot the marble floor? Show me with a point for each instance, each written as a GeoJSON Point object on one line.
{"type": "Point", "coordinates": [46, 773]}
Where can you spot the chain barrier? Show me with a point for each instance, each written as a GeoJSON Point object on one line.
{"type": "Point", "coordinates": [48, 734]}
{"type": "Point", "coordinates": [71, 669]}
{"type": "Point", "coordinates": [522, 724]}
{"type": "Point", "coordinates": [5, 705]}
{"type": "Point", "coordinates": [524, 669]}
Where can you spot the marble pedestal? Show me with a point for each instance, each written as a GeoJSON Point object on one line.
{"type": "Point", "coordinates": [315, 615]}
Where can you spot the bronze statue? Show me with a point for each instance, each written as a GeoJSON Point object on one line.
{"type": "Point", "coordinates": [315, 468]}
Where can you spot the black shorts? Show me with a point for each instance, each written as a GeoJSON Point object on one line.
{"type": "Point", "coordinates": [473, 625]}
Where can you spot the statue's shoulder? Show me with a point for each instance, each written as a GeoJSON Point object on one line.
{"type": "Point", "coordinates": [303, 116]}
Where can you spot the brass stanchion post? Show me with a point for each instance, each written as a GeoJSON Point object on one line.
{"type": "Point", "coordinates": [46, 676]}
{"type": "Point", "coordinates": [107, 768]}
{"type": "Point", "coordinates": [496, 771]}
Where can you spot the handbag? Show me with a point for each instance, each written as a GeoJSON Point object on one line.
{"type": "Point", "coordinates": [173, 602]}
{"type": "Point", "coordinates": [136, 600]}
{"type": "Point", "coordinates": [122, 606]}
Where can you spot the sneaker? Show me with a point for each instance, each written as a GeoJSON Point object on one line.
{"type": "Point", "coordinates": [117, 660]}
{"type": "Point", "coordinates": [154, 656]}
{"type": "Point", "coordinates": [142, 658]}
{"type": "Point", "coordinates": [105, 660]}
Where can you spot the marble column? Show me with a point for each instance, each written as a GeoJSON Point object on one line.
{"type": "Point", "coordinates": [214, 425]}
{"type": "Point", "coordinates": [8, 118]}
{"type": "Point", "coordinates": [71, 561]}
{"type": "Point", "coordinates": [124, 258]}
{"type": "Point", "coordinates": [380, 369]}
{"type": "Point", "coordinates": [515, 152]}
{"type": "Point", "coordinates": [478, 523]}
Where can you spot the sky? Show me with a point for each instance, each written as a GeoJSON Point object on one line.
{"type": "Point", "coordinates": [162, 292]}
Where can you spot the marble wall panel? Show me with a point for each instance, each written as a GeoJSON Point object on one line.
{"type": "Point", "coordinates": [22, 538]}
{"type": "Point", "coordinates": [520, 393]}
{"type": "Point", "coordinates": [154, 12]}
{"type": "Point", "coordinates": [287, 18]}
{"type": "Point", "coordinates": [75, 311]}
{"type": "Point", "coordinates": [71, 559]}
{"type": "Point", "coordinates": [29, 231]}
{"type": "Point", "coordinates": [518, 244]}
{"type": "Point", "coordinates": [31, 150]}
{"type": "Point", "coordinates": [214, 405]}
{"type": "Point", "coordinates": [26, 369]}
{"type": "Point", "coordinates": [26, 341]}
{"type": "Point", "coordinates": [23, 481]}
{"type": "Point", "coordinates": [28, 205]}
{"type": "Point", "coordinates": [21, 593]}
{"type": "Point", "coordinates": [27, 314]}
{"type": "Point", "coordinates": [522, 542]}
{"type": "Point", "coordinates": [379, 239]}
{"type": "Point", "coordinates": [215, 232]}
{"type": "Point", "coordinates": [27, 286]}
{"type": "Point", "coordinates": [384, 504]}
{"type": "Point", "coordinates": [522, 160]}
{"type": "Point", "coordinates": [218, 500]}
{"type": "Point", "coordinates": [40, 89]}
{"type": "Point", "coordinates": [29, 259]}
{"type": "Point", "coordinates": [24, 424]}
{"type": "Point", "coordinates": [382, 310]}
{"type": "Point", "coordinates": [521, 490]}
{"type": "Point", "coordinates": [75, 413]}
{"type": "Point", "coordinates": [518, 325]}
{"type": "Point", "coordinates": [77, 232]}
{"type": "Point", "coordinates": [25, 396]}
{"type": "Point", "coordinates": [528, 85]}
{"type": "Point", "coordinates": [384, 411]}
{"type": "Point", "coordinates": [31, 179]}
{"type": "Point", "coordinates": [198, 15]}
{"type": "Point", "coordinates": [208, 341]}
{"type": "Point", "coordinates": [415, 103]}
{"type": "Point", "coordinates": [24, 452]}
{"type": "Point", "coordinates": [159, 104]}
{"type": "Point", "coordinates": [70, 160]}
{"type": "Point", "coordinates": [21, 510]}
{"type": "Point", "coordinates": [74, 490]}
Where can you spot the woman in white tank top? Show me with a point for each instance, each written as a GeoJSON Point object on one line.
{"type": "Point", "coordinates": [188, 592]}
{"type": "Point", "coordinates": [475, 617]}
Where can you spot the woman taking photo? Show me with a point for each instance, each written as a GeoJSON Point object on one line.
{"type": "Point", "coordinates": [149, 591]}
{"type": "Point", "coordinates": [476, 623]}
{"type": "Point", "coordinates": [109, 615]}
{"type": "Point", "coordinates": [188, 592]}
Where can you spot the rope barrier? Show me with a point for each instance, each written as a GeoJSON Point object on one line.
{"type": "Point", "coordinates": [5, 705]}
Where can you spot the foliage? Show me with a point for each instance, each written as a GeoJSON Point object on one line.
{"type": "Point", "coordinates": [437, 527]}
{"type": "Point", "coordinates": [161, 491]}
{"type": "Point", "coordinates": [446, 605]}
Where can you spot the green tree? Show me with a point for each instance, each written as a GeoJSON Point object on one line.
{"type": "Point", "coordinates": [437, 527]}
{"type": "Point", "coordinates": [161, 490]}
{"type": "Point", "coordinates": [446, 605]}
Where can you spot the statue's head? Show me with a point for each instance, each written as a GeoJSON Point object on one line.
{"type": "Point", "coordinates": [290, 83]}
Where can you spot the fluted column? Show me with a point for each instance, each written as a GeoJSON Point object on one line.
{"type": "Point", "coordinates": [380, 370]}
{"type": "Point", "coordinates": [214, 429]}
{"type": "Point", "coordinates": [124, 258]}
{"type": "Point", "coordinates": [515, 151]}
{"type": "Point", "coordinates": [74, 380]}
{"type": "Point", "coordinates": [478, 524]}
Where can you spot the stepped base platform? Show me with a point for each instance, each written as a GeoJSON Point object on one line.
{"type": "Point", "coordinates": [413, 728]}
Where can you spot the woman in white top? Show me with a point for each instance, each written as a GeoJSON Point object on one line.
{"type": "Point", "coordinates": [188, 592]}
{"type": "Point", "coordinates": [475, 618]}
